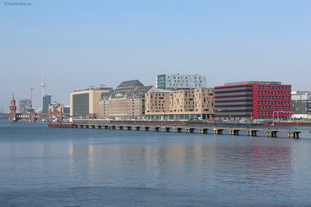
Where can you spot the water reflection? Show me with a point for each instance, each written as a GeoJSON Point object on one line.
{"type": "Point", "coordinates": [199, 164]}
{"type": "Point", "coordinates": [204, 166]}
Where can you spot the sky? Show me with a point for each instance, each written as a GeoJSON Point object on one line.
{"type": "Point", "coordinates": [86, 43]}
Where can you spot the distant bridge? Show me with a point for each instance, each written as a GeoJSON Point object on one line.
{"type": "Point", "coordinates": [33, 117]}
{"type": "Point", "coordinates": [4, 116]}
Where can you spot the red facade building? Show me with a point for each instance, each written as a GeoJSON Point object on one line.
{"type": "Point", "coordinates": [253, 100]}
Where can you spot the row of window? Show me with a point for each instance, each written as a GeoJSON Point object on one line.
{"type": "Point", "coordinates": [274, 92]}
{"type": "Point", "coordinates": [178, 77]}
{"type": "Point", "coordinates": [192, 91]}
{"type": "Point", "coordinates": [264, 112]}
{"type": "Point", "coordinates": [265, 117]}
{"type": "Point", "coordinates": [274, 102]}
{"type": "Point", "coordinates": [264, 107]}
{"type": "Point", "coordinates": [273, 97]}
{"type": "Point", "coordinates": [156, 101]}
{"type": "Point", "coordinates": [272, 87]}
{"type": "Point", "coordinates": [156, 94]}
{"type": "Point", "coordinates": [275, 107]}
{"type": "Point", "coordinates": [282, 107]}
{"type": "Point", "coordinates": [183, 92]}
{"type": "Point", "coordinates": [196, 85]}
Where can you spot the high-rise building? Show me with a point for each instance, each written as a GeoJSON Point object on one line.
{"type": "Point", "coordinates": [127, 101]}
{"type": "Point", "coordinates": [253, 100]}
{"type": "Point", "coordinates": [182, 104]}
{"type": "Point", "coordinates": [46, 103]}
{"type": "Point", "coordinates": [84, 103]}
{"type": "Point", "coordinates": [180, 81]}
{"type": "Point", "coordinates": [301, 104]}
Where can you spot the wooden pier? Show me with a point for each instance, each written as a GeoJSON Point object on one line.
{"type": "Point", "coordinates": [183, 128]}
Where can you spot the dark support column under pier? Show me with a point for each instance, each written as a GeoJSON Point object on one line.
{"type": "Point", "coordinates": [218, 131]}
{"type": "Point", "coordinates": [271, 133]}
{"type": "Point", "coordinates": [177, 129]}
{"type": "Point", "coordinates": [234, 131]}
{"type": "Point", "coordinates": [165, 129]}
{"type": "Point", "coordinates": [293, 134]}
{"type": "Point", "coordinates": [136, 128]}
{"type": "Point", "coordinates": [203, 131]}
{"type": "Point", "coordinates": [155, 129]}
{"type": "Point", "coordinates": [190, 130]}
{"type": "Point", "coordinates": [145, 128]}
{"type": "Point", "coordinates": [252, 133]}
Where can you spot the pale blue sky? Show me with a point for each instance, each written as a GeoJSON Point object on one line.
{"type": "Point", "coordinates": [89, 42]}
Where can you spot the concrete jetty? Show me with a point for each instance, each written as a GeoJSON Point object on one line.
{"type": "Point", "coordinates": [235, 131]}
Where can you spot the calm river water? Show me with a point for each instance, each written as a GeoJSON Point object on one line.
{"type": "Point", "coordinates": [43, 166]}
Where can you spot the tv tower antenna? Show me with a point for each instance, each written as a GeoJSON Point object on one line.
{"type": "Point", "coordinates": [43, 84]}
{"type": "Point", "coordinates": [31, 89]}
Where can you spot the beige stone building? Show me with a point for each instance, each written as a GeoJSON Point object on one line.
{"type": "Point", "coordinates": [181, 104]}
{"type": "Point", "coordinates": [84, 103]}
{"type": "Point", "coordinates": [127, 101]}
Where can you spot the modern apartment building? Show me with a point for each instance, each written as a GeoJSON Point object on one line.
{"type": "Point", "coordinates": [127, 101]}
{"type": "Point", "coordinates": [180, 104]}
{"type": "Point", "coordinates": [179, 81]}
{"type": "Point", "coordinates": [301, 104]}
{"type": "Point", "coordinates": [253, 100]}
{"type": "Point", "coordinates": [84, 103]}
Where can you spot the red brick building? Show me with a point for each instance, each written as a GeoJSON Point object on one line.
{"type": "Point", "coordinates": [253, 100]}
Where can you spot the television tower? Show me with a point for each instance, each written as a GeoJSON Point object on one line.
{"type": "Point", "coordinates": [43, 84]}
{"type": "Point", "coordinates": [31, 89]}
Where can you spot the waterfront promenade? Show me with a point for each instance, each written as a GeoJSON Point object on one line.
{"type": "Point", "coordinates": [180, 127]}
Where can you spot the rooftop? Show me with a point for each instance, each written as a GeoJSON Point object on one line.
{"type": "Point", "coordinates": [127, 89]}
{"type": "Point", "coordinates": [99, 87]}
{"type": "Point", "coordinates": [254, 82]}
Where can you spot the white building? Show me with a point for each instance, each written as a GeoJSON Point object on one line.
{"type": "Point", "coordinates": [301, 104]}
{"type": "Point", "coordinates": [181, 81]}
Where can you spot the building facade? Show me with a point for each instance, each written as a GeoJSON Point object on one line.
{"type": "Point", "coordinates": [25, 106]}
{"type": "Point", "coordinates": [253, 100]}
{"type": "Point", "coordinates": [84, 103]}
{"type": "Point", "coordinates": [180, 104]}
{"type": "Point", "coordinates": [46, 102]}
{"type": "Point", "coordinates": [301, 104]}
{"type": "Point", "coordinates": [179, 81]}
{"type": "Point", "coordinates": [127, 101]}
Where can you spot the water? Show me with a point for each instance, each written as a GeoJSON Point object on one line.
{"type": "Point", "coordinates": [43, 166]}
